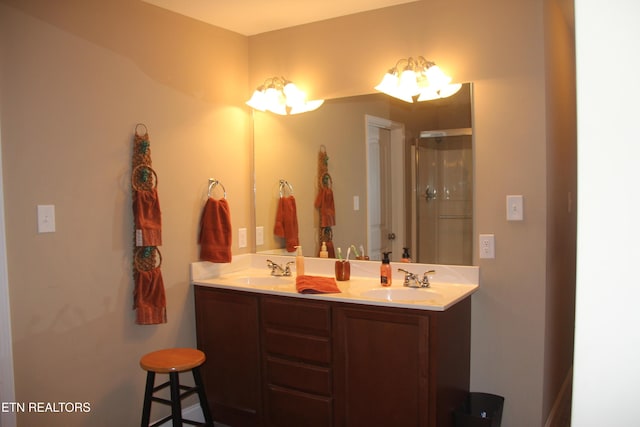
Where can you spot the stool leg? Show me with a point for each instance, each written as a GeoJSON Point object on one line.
{"type": "Point", "coordinates": [176, 407]}
{"type": "Point", "coordinates": [148, 392]}
{"type": "Point", "coordinates": [204, 403]}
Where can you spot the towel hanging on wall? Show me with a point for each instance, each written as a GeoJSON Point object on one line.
{"type": "Point", "coordinates": [149, 299]}
{"type": "Point", "coordinates": [286, 225]}
{"type": "Point", "coordinates": [215, 228]}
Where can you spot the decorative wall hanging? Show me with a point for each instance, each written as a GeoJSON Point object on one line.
{"type": "Point", "coordinates": [324, 203]}
{"type": "Point", "coordinates": [149, 299]}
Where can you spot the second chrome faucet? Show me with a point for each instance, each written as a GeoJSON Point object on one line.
{"type": "Point", "coordinates": [411, 280]}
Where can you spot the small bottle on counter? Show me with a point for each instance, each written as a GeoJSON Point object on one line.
{"type": "Point", "coordinates": [385, 270]}
{"type": "Point", "coordinates": [405, 255]}
{"type": "Point", "coordinates": [323, 251]}
{"type": "Point", "coordinates": [299, 262]}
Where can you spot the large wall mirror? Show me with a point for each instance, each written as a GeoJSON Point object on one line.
{"type": "Point", "coordinates": [401, 176]}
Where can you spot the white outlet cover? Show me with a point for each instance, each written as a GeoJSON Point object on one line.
{"type": "Point", "coordinates": [487, 246]}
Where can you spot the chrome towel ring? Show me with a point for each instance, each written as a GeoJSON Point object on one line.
{"type": "Point", "coordinates": [284, 185]}
{"type": "Point", "coordinates": [212, 184]}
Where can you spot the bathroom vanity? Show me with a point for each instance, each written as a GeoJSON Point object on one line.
{"type": "Point", "coordinates": [279, 358]}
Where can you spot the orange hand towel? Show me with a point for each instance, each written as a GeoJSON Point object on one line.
{"type": "Point", "coordinates": [149, 298]}
{"type": "Point", "coordinates": [287, 222]}
{"type": "Point", "coordinates": [316, 285]}
{"type": "Point", "coordinates": [215, 231]}
{"type": "Point", "coordinates": [147, 218]}
{"type": "Point", "coordinates": [324, 202]}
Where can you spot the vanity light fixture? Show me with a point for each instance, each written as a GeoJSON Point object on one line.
{"type": "Point", "coordinates": [417, 79]}
{"type": "Point", "coordinates": [280, 96]}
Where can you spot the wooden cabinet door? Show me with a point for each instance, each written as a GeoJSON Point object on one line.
{"type": "Point", "coordinates": [227, 331]}
{"type": "Point", "coordinates": [381, 365]}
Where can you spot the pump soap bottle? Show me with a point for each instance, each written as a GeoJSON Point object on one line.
{"type": "Point", "coordinates": [323, 251]}
{"type": "Point", "coordinates": [299, 262]}
{"type": "Point", "coordinates": [405, 255]}
{"type": "Point", "coordinates": [385, 270]}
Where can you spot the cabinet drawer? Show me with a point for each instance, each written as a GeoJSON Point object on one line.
{"type": "Point", "coordinates": [298, 346]}
{"type": "Point", "coordinates": [299, 376]}
{"type": "Point", "coordinates": [289, 408]}
{"type": "Point", "coordinates": [306, 316]}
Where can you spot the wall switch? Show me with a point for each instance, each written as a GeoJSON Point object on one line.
{"type": "Point", "coordinates": [259, 236]}
{"type": "Point", "coordinates": [46, 218]}
{"type": "Point", "coordinates": [515, 208]}
{"type": "Point", "coordinates": [356, 203]}
{"type": "Point", "coordinates": [487, 246]}
{"type": "Point", "coordinates": [242, 237]}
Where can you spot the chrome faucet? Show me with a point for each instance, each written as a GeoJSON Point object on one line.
{"type": "Point", "coordinates": [412, 280]}
{"type": "Point", "coordinates": [278, 270]}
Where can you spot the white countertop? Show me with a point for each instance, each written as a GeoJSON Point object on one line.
{"type": "Point", "coordinates": [249, 272]}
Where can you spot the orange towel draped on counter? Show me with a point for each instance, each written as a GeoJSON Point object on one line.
{"type": "Point", "coordinates": [215, 231]}
{"type": "Point", "coordinates": [316, 285]}
{"type": "Point", "coordinates": [287, 222]}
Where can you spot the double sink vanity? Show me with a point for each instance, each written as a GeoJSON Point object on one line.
{"type": "Point", "coordinates": [366, 356]}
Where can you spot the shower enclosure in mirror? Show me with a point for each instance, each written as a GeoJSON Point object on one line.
{"type": "Point", "coordinates": [287, 147]}
{"type": "Point", "coordinates": [442, 175]}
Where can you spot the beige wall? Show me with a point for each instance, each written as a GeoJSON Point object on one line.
{"type": "Point", "coordinates": [500, 47]}
{"type": "Point", "coordinates": [77, 77]}
{"type": "Point", "coordinates": [75, 84]}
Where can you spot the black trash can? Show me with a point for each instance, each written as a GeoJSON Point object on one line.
{"type": "Point", "coordinates": [480, 410]}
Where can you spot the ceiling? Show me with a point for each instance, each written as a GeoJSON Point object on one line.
{"type": "Point", "coordinates": [249, 17]}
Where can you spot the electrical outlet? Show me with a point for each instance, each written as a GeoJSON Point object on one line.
{"type": "Point", "coordinates": [487, 246]}
{"type": "Point", "coordinates": [259, 236]}
{"type": "Point", "coordinates": [242, 237]}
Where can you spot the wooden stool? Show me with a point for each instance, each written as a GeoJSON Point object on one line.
{"type": "Point", "coordinates": [173, 361]}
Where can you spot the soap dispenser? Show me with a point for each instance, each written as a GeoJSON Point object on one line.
{"type": "Point", "coordinates": [299, 262]}
{"type": "Point", "coordinates": [385, 270]}
{"type": "Point", "coordinates": [405, 255]}
{"type": "Point", "coordinates": [323, 251]}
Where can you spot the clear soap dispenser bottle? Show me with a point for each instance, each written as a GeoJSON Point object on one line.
{"type": "Point", "coordinates": [385, 270]}
{"type": "Point", "coordinates": [324, 253]}
{"type": "Point", "coordinates": [299, 262]}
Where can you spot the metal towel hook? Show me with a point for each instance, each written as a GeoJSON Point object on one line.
{"type": "Point", "coordinates": [283, 185]}
{"type": "Point", "coordinates": [212, 184]}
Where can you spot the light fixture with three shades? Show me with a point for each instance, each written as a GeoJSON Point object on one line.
{"type": "Point", "coordinates": [281, 96]}
{"type": "Point", "coordinates": [417, 80]}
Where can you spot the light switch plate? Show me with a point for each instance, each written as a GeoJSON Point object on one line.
{"type": "Point", "coordinates": [242, 237]}
{"type": "Point", "coordinates": [259, 236]}
{"type": "Point", "coordinates": [487, 245]}
{"type": "Point", "coordinates": [515, 205]}
{"type": "Point", "coordinates": [46, 218]}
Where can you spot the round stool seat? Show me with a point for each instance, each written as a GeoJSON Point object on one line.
{"type": "Point", "coordinates": [172, 360]}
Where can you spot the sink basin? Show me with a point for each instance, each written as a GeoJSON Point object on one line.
{"type": "Point", "coordinates": [261, 280]}
{"type": "Point", "coordinates": [401, 294]}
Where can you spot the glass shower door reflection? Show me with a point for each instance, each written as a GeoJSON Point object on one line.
{"type": "Point", "coordinates": [444, 200]}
